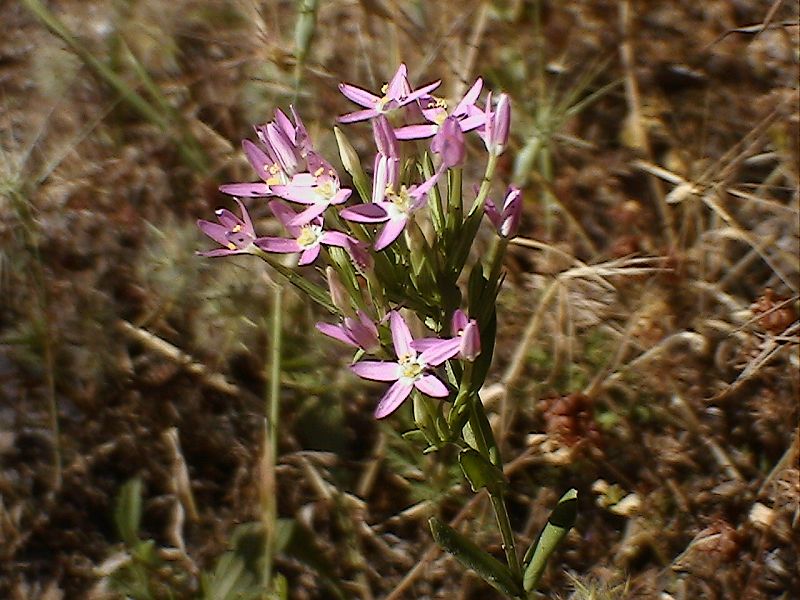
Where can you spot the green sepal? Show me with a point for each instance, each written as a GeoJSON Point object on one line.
{"type": "Point", "coordinates": [415, 436]}
{"type": "Point", "coordinates": [472, 557]}
{"type": "Point", "coordinates": [475, 288]}
{"type": "Point", "coordinates": [561, 520]}
{"type": "Point", "coordinates": [480, 472]}
{"type": "Point", "coordinates": [425, 418]}
{"type": "Point", "coordinates": [435, 202]}
{"type": "Point", "coordinates": [478, 434]}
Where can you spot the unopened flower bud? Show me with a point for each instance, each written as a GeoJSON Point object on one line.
{"type": "Point", "coordinates": [385, 139]}
{"type": "Point", "coordinates": [339, 295]}
{"type": "Point", "coordinates": [466, 329]}
{"type": "Point", "coordinates": [359, 252]}
{"type": "Point", "coordinates": [507, 220]}
{"type": "Point", "coordinates": [498, 123]}
{"type": "Point", "coordinates": [449, 143]}
{"type": "Point", "coordinates": [351, 163]}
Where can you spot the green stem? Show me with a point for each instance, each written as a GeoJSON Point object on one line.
{"type": "Point", "coordinates": [504, 523]}
{"type": "Point", "coordinates": [473, 220]}
{"type": "Point", "coordinates": [270, 509]}
{"type": "Point", "coordinates": [486, 185]}
{"type": "Point", "coordinates": [496, 255]}
{"type": "Point", "coordinates": [455, 207]}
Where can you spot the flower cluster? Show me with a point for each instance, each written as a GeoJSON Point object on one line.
{"type": "Point", "coordinates": [380, 255]}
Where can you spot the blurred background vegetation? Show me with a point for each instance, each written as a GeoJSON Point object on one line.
{"type": "Point", "coordinates": [648, 332]}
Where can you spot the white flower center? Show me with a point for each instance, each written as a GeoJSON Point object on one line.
{"type": "Point", "coordinates": [310, 236]}
{"type": "Point", "coordinates": [401, 202]}
{"type": "Point", "coordinates": [325, 191]}
{"type": "Point", "coordinates": [411, 367]}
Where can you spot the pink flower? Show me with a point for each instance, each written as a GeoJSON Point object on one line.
{"type": "Point", "coordinates": [434, 110]}
{"type": "Point", "coordinates": [280, 155]}
{"type": "Point", "coordinates": [507, 221]}
{"type": "Point", "coordinates": [408, 372]}
{"type": "Point", "coordinates": [397, 93]}
{"type": "Point", "coordinates": [448, 142]}
{"type": "Point", "coordinates": [394, 208]}
{"type": "Point", "coordinates": [306, 239]}
{"type": "Point", "coordinates": [358, 331]}
{"type": "Point", "coordinates": [318, 189]}
{"type": "Point", "coordinates": [466, 343]}
{"type": "Point", "coordinates": [235, 234]}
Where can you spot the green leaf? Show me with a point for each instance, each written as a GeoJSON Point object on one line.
{"type": "Point", "coordinates": [472, 557]}
{"type": "Point", "coordinates": [128, 512]}
{"type": "Point", "coordinates": [315, 292]}
{"type": "Point", "coordinates": [230, 580]}
{"type": "Point", "coordinates": [480, 472]}
{"type": "Point", "coordinates": [558, 525]}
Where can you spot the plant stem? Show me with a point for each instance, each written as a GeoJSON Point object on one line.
{"type": "Point", "coordinates": [270, 454]}
{"type": "Point", "coordinates": [504, 523]}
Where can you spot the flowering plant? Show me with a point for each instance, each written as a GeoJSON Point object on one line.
{"type": "Point", "coordinates": [396, 254]}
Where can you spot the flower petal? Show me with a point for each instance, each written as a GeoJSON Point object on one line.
{"type": "Point", "coordinates": [473, 122]}
{"type": "Point", "coordinates": [358, 95]}
{"type": "Point", "coordinates": [359, 115]}
{"type": "Point", "coordinates": [248, 223]}
{"type": "Point", "coordinates": [377, 370]}
{"type": "Point", "coordinates": [415, 132]}
{"type": "Point", "coordinates": [401, 335]}
{"type": "Point", "coordinates": [337, 332]}
{"type": "Point", "coordinates": [309, 255]}
{"type": "Point", "coordinates": [276, 244]}
{"type": "Point", "coordinates": [365, 213]}
{"type": "Point", "coordinates": [390, 232]}
{"type": "Point", "coordinates": [459, 321]}
{"type": "Point", "coordinates": [215, 231]}
{"type": "Point", "coordinates": [423, 91]}
{"type": "Point", "coordinates": [341, 196]}
{"type": "Point", "coordinates": [392, 399]}
{"type": "Point", "coordinates": [284, 214]}
{"type": "Point", "coordinates": [248, 190]}
{"type": "Point", "coordinates": [219, 252]}
{"type": "Point", "coordinates": [431, 386]}
{"type": "Point", "coordinates": [257, 158]}
{"type": "Point", "coordinates": [470, 97]}
{"type": "Point", "coordinates": [334, 238]}
{"type": "Point", "coordinates": [436, 354]}
{"type": "Point", "coordinates": [308, 215]}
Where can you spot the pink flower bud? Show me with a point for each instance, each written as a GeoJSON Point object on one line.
{"type": "Point", "coordinates": [498, 122]}
{"type": "Point", "coordinates": [449, 143]}
{"type": "Point", "coordinates": [339, 295]}
{"type": "Point", "coordinates": [507, 220]}
{"type": "Point", "coordinates": [385, 139]}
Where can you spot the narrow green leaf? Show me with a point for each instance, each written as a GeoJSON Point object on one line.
{"type": "Point", "coordinates": [558, 525]}
{"type": "Point", "coordinates": [480, 472]}
{"type": "Point", "coordinates": [472, 557]}
{"type": "Point", "coordinates": [315, 292]}
{"type": "Point", "coordinates": [128, 512]}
